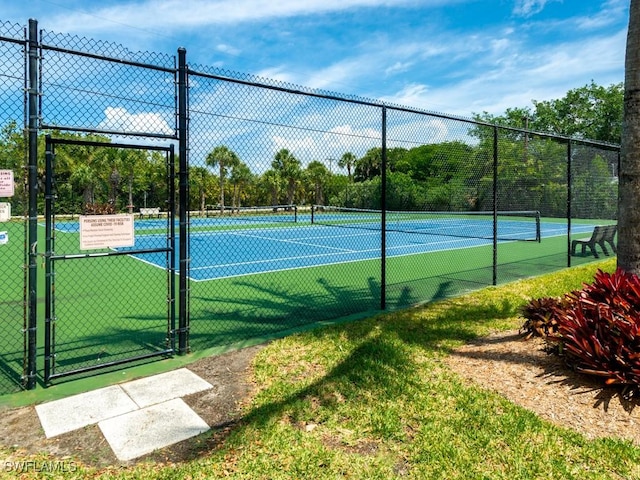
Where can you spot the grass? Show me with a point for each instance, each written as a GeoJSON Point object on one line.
{"type": "Point", "coordinates": [374, 399]}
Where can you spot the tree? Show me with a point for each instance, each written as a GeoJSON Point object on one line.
{"type": "Point", "coordinates": [629, 177]}
{"type": "Point", "coordinates": [271, 179]}
{"type": "Point", "coordinates": [290, 170]}
{"type": "Point", "coordinates": [240, 177]}
{"type": "Point", "coordinates": [12, 157]}
{"type": "Point", "coordinates": [347, 160]}
{"type": "Point", "coordinates": [592, 112]}
{"type": "Point", "coordinates": [201, 182]}
{"type": "Point", "coordinates": [89, 169]}
{"type": "Point", "coordinates": [369, 165]}
{"type": "Point", "coordinates": [224, 158]}
{"type": "Point", "coordinates": [133, 164]}
{"type": "Point", "coordinates": [318, 175]}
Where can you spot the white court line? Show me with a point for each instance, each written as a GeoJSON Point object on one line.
{"type": "Point", "coordinates": [269, 260]}
{"type": "Point", "coordinates": [296, 242]}
{"type": "Point", "coordinates": [377, 249]}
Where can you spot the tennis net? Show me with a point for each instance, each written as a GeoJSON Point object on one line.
{"type": "Point", "coordinates": [267, 213]}
{"type": "Point", "coordinates": [504, 225]}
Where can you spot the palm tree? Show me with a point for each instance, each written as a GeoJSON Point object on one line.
{"type": "Point", "coordinates": [347, 160]}
{"type": "Point", "coordinates": [201, 182]}
{"type": "Point", "coordinates": [271, 178]}
{"type": "Point", "coordinates": [369, 165]}
{"type": "Point", "coordinates": [86, 179]}
{"type": "Point", "coordinates": [318, 174]}
{"type": "Point", "coordinates": [289, 168]}
{"type": "Point", "coordinates": [240, 176]}
{"type": "Point", "coordinates": [133, 164]}
{"type": "Point", "coordinates": [629, 177]}
{"type": "Point", "coordinates": [224, 158]}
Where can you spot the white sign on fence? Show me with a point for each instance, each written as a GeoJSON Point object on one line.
{"type": "Point", "coordinates": [106, 231]}
{"type": "Point", "coordinates": [5, 212]}
{"type": "Point", "coordinates": [6, 183]}
{"type": "Point", "coordinates": [4, 238]}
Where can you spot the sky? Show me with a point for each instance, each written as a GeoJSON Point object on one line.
{"type": "Point", "coordinates": [457, 57]}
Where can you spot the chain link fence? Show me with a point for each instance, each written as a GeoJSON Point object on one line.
{"type": "Point", "coordinates": [284, 207]}
{"type": "Point", "coordinates": [13, 213]}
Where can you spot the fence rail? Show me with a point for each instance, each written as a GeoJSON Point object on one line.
{"type": "Point", "coordinates": [232, 222]}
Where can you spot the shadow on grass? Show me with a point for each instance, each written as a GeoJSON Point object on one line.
{"type": "Point", "coordinates": [380, 366]}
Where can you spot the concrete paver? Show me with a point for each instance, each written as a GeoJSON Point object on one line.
{"type": "Point", "coordinates": [136, 417]}
{"type": "Point", "coordinates": [68, 414]}
{"type": "Point", "coordinates": [165, 386]}
{"type": "Point", "coordinates": [140, 432]}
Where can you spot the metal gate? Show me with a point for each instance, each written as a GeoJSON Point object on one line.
{"type": "Point", "coordinates": [109, 277]}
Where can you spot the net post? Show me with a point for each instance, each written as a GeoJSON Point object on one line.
{"type": "Point", "coordinates": [313, 209]}
{"type": "Point", "coordinates": [538, 227]}
{"type": "Point", "coordinates": [295, 214]}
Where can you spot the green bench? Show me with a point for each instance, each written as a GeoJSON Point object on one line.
{"type": "Point", "coordinates": [602, 234]}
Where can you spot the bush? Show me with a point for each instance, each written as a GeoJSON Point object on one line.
{"type": "Point", "coordinates": [597, 328]}
{"type": "Point", "coordinates": [540, 315]}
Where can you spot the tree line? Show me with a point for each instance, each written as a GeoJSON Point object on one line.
{"type": "Point", "coordinates": [446, 176]}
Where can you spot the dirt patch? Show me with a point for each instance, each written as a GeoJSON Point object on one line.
{"type": "Point", "coordinates": [523, 372]}
{"type": "Point", "coordinates": [219, 407]}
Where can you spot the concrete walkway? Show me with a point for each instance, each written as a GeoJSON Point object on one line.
{"type": "Point", "coordinates": [136, 417]}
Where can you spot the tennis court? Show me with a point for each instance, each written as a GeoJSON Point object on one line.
{"type": "Point", "coordinates": [258, 275]}
{"type": "Point", "coordinates": [234, 246]}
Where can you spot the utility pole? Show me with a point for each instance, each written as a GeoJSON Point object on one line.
{"type": "Point", "coordinates": [526, 137]}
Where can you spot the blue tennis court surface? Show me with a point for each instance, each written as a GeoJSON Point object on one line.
{"type": "Point", "coordinates": [230, 253]}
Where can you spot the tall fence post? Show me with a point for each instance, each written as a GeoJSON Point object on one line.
{"type": "Point", "coordinates": [495, 206]}
{"type": "Point", "coordinates": [569, 188]}
{"type": "Point", "coordinates": [183, 308]}
{"type": "Point", "coordinates": [33, 203]}
{"type": "Point", "coordinates": [383, 207]}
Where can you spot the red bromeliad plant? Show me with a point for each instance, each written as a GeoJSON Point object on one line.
{"type": "Point", "coordinates": [541, 317]}
{"type": "Point", "coordinates": [598, 329]}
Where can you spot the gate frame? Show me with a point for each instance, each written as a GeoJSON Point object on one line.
{"type": "Point", "coordinates": [50, 257]}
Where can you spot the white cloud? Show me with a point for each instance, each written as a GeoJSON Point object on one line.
{"type": "Point", "coordinates": [278, 73]}
{"type": "Point", "coordinates": [228, 49]}
{"type": "Point", "coordinates": [515, 74]}
{"type": "Point", "coordinates": [294, 144]}
{"type": "Point", "coordinates": [119, 119]}
{"type": "Point", "coordinates": [526, 8]}
{"type": "Point", "coordinates": [398, 67]}
{"type": "Point", "coordinates": [175, 14]}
